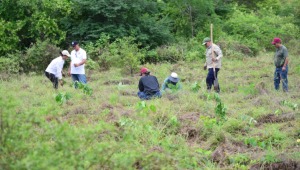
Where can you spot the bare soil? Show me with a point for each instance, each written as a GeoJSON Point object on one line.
{"type": "Point", "coordinates": [272, 118]}
{"type": "Point", "coordinates": [221, 153]}
{"type": "Point", "coordinates": [289, 165]}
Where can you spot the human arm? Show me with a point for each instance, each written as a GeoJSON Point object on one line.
{"type": "Point", "coordinates": [59, 67]}
{"type": "Point", "coordinates": [141, 86]}
{"type": "Point", "coordinates": [83, 61]}
{"type": "Point", "coordinates": [218, 52]}
{"type": "Point", "coordinates": [164, 85]}
{"type": "Point", "coordinates": [69, 71]}
{"type": "Point", "coordinates": [286, 61]}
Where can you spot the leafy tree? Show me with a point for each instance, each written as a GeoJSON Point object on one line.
{"type": "Point", "coordinates": [30, 20]}
{"type": "Point", "coordinates": [189, 16]}
{"type": "Point", "coordinates": [118, 19]}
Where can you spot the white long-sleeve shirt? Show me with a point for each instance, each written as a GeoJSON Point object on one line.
{"type": "Point", "coordinates": [56, 66]}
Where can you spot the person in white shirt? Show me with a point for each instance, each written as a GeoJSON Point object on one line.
{"type": "Point", "coordinates": [78, 59]}
{"type": "Point", "coordinates": [54, 69]}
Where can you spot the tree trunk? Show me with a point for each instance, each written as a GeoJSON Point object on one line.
{"type": "Point", "coordinates": [191, 19]}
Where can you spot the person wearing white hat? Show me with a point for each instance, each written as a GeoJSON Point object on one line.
{"type": "Point", "coordinates": [54, 69]}
{"type": "Point", "coordinates": [171, 82]}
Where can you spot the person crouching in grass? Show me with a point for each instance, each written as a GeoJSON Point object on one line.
{"type": "Point", "coordinates": [54, 69]}
{"type": "Point", "coordinates": [148, 86]}
{"type": "Point", "coordinates": [171, 83]}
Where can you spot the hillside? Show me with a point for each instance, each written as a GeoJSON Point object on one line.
{"type": "Point", "coordinates": [113, 129]}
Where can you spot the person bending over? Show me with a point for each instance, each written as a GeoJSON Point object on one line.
{"type": "Point", "coordinates": [148, 86]}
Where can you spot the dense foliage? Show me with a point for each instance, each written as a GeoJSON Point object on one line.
{"type": "Point", "coordinates": [154, 30]}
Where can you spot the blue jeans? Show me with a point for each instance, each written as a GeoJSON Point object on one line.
{"type": "Point", "coordinates": [280, 75]}
{"type": "Point", "coordinates": [144, 96]}
{"type": "Point", "coordinates": [210, 78]}
{"type": "Point", "coordinates": [79, 77]}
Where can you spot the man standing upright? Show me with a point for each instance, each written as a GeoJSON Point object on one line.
{"type": "Point", "coordinates": [281, 63]}
{"type": "Point", "coordinates": [212, 61]}
{"type": "Point", "coordinates": [78, 59]}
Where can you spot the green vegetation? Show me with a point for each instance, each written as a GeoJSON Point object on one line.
{"type": "Point", "coordinates": [103, 124]}
{"type": "Point", "coordinates": [112, 129]}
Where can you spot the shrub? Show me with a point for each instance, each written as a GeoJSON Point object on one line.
{"type": "Point", "coordinates": [39, 55]}
{"type": "Point", "coordinates": [124, 53]}
{"type": "Point", "coordinates": [256, 30]}
{"type": "Point", "coordinates": [9, 65]}
{"type": "Point", "coordinates": [170, 53]}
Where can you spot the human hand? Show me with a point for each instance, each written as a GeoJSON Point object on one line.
{"type": "Point", "coordinates": [61, 82]}
{"type": "Point", "coordinates": [205, 67]}
{"type": "Point", "coordinates": [283, 68]}
{"type": "Point", "coordinates": [76, 65]}
{"type": "Point", "coordinates": [214, 59]}
{"type": "Point", "coordinates": [69, 73]}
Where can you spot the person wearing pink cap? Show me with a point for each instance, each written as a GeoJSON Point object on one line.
{"type": "Point", "coordinates": [148, 86]}
{"type": "Point", "coordinates": [281, 63]}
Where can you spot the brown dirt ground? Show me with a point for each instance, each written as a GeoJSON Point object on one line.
{"type": "Point", "coordinates": [289, 165]}
{"type": "Point", "coordinates": [272, 118]}
{"type": "Point", "coordinates": [221, 153]}
{"type": "Point", "coordinates": [116, 82]}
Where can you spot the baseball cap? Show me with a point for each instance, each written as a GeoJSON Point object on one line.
{"type": "Point", "coordinates": [276, 40]}
{"type": "Point", "coordinates": [144, 70]}
{"type": "Point", "coordinates": [174, 77]}
{"type": "Point", "coordinates": [66, 53]}
{"type": "Point", "coordinates": [74, 43]}
{"type": "Point", "coordinates": [205, 40]}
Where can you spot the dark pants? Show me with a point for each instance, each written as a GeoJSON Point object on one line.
{"type": "Point", "coordinates": [280, 75]}
{"type": "Point", "coordinates": [210, 78]}
{"type": "Point", "coordinates": [145, 96]}
{"type": "Point", "coordinates": [53, 79]}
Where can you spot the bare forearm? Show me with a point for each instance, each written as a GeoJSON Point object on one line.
{"type": "Point", "coordinates": [82, 62]}
{"type": "Point", "coordinates": [286, 62]}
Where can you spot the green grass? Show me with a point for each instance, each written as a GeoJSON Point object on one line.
{"type": "Point", "coordinates": [113, 129]}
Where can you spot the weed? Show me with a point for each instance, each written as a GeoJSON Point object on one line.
{"type": "Point", "coordinates": [294, 106]}
{"type": "Point", "coordinates": [62, 98]}
{"type": "Point", "coordinates": [86, 89]}
{"type": "Point", "coordinates": [248, 89]}
{"type": "Point", "coordinates": [240, 159]}
{"type": "Point", "coordinates": [220, 109]}
{"type": "Point", "coordinates": [195, 87]}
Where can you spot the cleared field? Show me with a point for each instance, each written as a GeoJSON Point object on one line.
{"type": "Point", "coordinates": [113, 129]}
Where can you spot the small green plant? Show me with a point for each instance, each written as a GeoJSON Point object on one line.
{"type": "Point", "coordinates": [204, 152]}
{"type": "Point", "coordinates": [208, 122]}
{"type": "Point", "coordinates": [270, 157]}
{"type": "Point", "coordinates": [174, 88]}
{"type": "Point", "coordinates": [220, 109]}
{"type": "Point", "coordinates": [86, 89]}
{"type": "Point", "coordinates": [248, 89]}
{"type": "Point", "coordinates": [259, 143]}
{"type": "Point", "coordinates": [240, 159]}
{"type": "Point", "coordinates": [142, 107]}
{"type": "Point", "coordinates": [196, 87]}
{"type": "Point", "coordinates": [61, 98]}
{"type": "Point", "coordinates": [294, 106]}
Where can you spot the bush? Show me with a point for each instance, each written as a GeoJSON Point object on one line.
{"type": "Point", "coordinates": [11, 63]}
{"type": "Point", "coordinates": [39, 55]}
{"type": "Point", "coordinates": [172, 53]}
{"type": "Point", "coordinates": [124, 53]}
{"type": "Point", "coordinates": [256, 30]}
